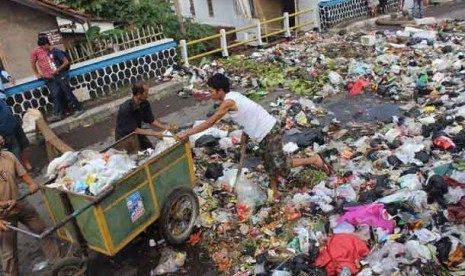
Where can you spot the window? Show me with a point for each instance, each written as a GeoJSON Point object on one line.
{"type": "Point", "coordinates": [210, 8]}
{"type": "Point", "coordinates": [192, 8]}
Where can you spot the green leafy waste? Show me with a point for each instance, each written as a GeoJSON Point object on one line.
{"type": "Point", "coordinates": [274, 75]}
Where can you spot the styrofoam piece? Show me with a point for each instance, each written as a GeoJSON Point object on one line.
{"type": "Point", "coordinates": [368, 40]}
{"type": "Point", "coordinates": [429, 35]}
{"type": "Point", "coordinates": [425, 21]}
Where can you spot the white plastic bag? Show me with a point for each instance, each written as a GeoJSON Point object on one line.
{"type": "Point", "coordinates": [67, 159]}
{"type": "Point", "coordinates": [170, 261]}
{"type": "Point", "coordinates": [335, 78]}
{"type": "Point", "coordinates": [410, 181]}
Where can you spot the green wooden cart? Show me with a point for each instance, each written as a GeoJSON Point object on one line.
{"type": "Point", "coordinates": [160, 189]}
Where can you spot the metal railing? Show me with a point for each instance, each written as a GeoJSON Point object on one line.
{"type": "Point", "coordinates": [258, 39]}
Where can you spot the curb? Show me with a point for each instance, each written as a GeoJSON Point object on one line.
{"type": "Point", "coordinates": [360, 25]}
{"type": "Point", "coordinates": [102, 112]}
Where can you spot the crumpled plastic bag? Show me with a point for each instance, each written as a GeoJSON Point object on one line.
{"type": "Point", "coordinates": [385, 260]}
{"type": "Point", "coordinates": [120, 162]}
{"type": "Point", "coordinates": [415, 250]}
{"type": "Point", "coordinates": [301, 119]}
{"type": "Point", "coordinates": [67, 159]}
{"type": "Point", "coordinates": [164, 143]}
{"type": "Point", "coordinates": [29, 119]}
{"type": "Point", "coordinates": [335, 78]}
{"type": "Point", "coordinates": [213, 131]}
{"type": "Point", "coordinates": [229, 177]}
{"type": "Point", "coordinates": [454, 194]}
{"type": "Point", "coordinates": [410, 181]}
{"type": "Point", "coordinates": [290, 147]}
{"type": "Point", "coordinates": [249, 196]}
{"type": "Point", "coordinates": [347, 192]}
{"type": "Point", "coordinates": [358, 68]}
{"type": "Point", "coordinates": [322, 197]}
{"type": "Point", "coordinates": [170, 261]}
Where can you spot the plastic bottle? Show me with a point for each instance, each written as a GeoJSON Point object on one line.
{"type": "Point", "coordinates": [345, 271]}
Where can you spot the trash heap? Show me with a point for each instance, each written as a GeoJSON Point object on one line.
{"type": "Point", "coordinates": [90, 172]}
{"type": "Point", "coordinates": [396, 205]}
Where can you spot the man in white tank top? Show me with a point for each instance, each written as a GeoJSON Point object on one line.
{"type": "Point", "coordinates": [257, 124]}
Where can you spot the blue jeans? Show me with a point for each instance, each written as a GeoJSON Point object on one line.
{"type": "Point", "coordinates": [61, 91]}
{"type": "Point", "coordinates": [418, 10]}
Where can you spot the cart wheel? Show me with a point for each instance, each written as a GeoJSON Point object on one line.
{"type": "Point", "coordinates": [72, 266]}
{"type": "Point", "coordinates": [178, 215]}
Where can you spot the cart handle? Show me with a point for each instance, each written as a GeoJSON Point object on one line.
{"type": "Point", "coordinates": [6, 206]}
{"type": "Point", "coordinates": [71, 216]}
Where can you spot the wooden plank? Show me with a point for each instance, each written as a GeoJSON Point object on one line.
{"type": "Point", "coordinates": [52, 141]}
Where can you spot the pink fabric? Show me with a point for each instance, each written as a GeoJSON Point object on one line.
{"type": "Point", "coordinates": [373, 214]}
{"type": "Point", "coordinates": [342, 250]}
{"type": "Point", "coordinates": [40, 56]}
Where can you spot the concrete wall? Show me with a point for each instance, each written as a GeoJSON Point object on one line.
{"type": "Point", "coordinates": [224, 12]}
{"type": "Point", "coordinates": [100, 77]}
{"type": "Point", "coordinates": [19, 29]}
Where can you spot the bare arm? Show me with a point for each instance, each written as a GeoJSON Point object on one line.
{"type": "Point", "coordinates": [63, 66]}
{"type": "Point", "coordinates": [148, 132]}
{"type": "Point", "coordinates": [159, 125]}
{"type": "Point", "coordinates": [32, 185]}
{"type": "Point", "coordinates": [222, 110]}
{"type": "Point", "coordinates": [34, 67]}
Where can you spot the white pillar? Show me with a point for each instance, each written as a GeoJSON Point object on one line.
{"type": "Point", "coordinates": [287, 30]}
{"type": "Point", "coordinates": [224, 43]}
{"type": "Point", "coordinates": [184, 55]}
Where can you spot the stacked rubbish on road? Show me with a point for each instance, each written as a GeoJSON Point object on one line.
{"type": "Point", "coordinates": [396, 205]}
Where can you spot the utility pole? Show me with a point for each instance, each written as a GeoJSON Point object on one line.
{"type": "Point", "coordinates": [177, 10]}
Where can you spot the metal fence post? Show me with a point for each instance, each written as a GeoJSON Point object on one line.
{"type": "Point", "coordinates": [184, 55]}
{"type": "Point", "coordinates": [287, 30]}
{"type": "Point", "coordinates": [224, 43]}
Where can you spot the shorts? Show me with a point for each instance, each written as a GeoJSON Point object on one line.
{"type": "Point", "coordinates": [271, 150]}
{"type": "Point", "coordinates": [17, 141]}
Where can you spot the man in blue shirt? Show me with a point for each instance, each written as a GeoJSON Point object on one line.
{"type": "Point", "coordinates": [12, 135]}
{"type": "Point", "coordinates": [7, 77]}
{"type": "Point", "coordinates": [61, 89]}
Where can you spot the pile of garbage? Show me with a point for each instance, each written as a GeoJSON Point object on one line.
{"type": "Point", "coordinates": [389, 63]}
{"type": "Point", "coordinates": [91, 172]}
{"type": "Point", "coordinates": [396, 205]}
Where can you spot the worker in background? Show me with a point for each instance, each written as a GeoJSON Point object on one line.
{"type": "Point", "coordinates": [133, 112]}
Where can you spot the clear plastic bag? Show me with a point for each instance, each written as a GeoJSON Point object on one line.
{"type": "Point", "coordinates": [249, 196]}
{"type": "Point", "coordinates": [170, 261]}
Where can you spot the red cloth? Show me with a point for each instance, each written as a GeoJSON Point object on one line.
{"type": "Point", "coordinates": [357, 86]}
{"type": "Point", "coordinates": [40, 56]}
{"type": "Point", "coordinates": [456, 213]}
{"type": "Point", "coordinates": [342, 250]}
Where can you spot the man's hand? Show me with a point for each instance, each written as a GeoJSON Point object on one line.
{"type": "Point", "coordinates": [12, 80]}
{"type": "Point", "coordinates": [3, 225]}
{"type": "Point", "coordinates": [181, 135]}
{"type": "Point", "coordinates": [33, 187]}
{"type": "Point", "coordinates": [11, 205]}
{"type": "Point", "coordinates": [38, 76]}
